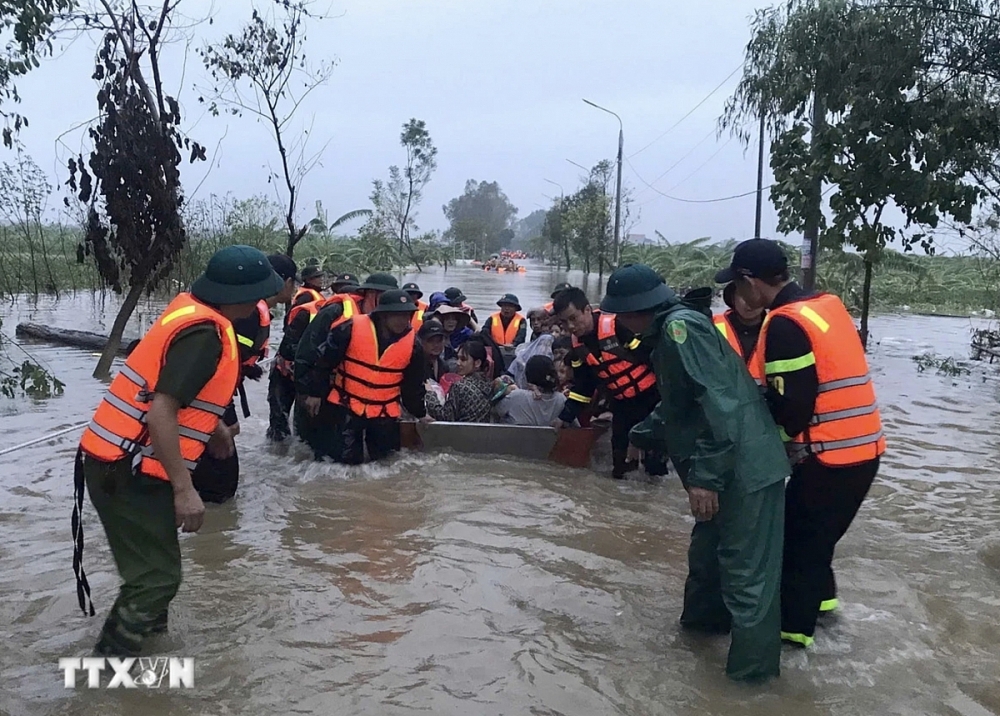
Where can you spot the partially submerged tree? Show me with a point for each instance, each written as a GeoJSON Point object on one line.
{"type": "Point", "coordinates": [888, 131]}
{"type": "Point", "coordinates": [480, 217]}
{"type": "Point", "coordinates": [263, 71]}
{"type": "Point", "coordinates": [131, 181]}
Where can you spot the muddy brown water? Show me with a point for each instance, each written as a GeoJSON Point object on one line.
{"type": "Point", "coordinates": [447, 584]}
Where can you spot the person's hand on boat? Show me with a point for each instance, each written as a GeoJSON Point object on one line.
{"type": "Point", "coordinates": [312, 405]}
{"type": "Point", "coordinates": [704, 503]}
{"type": "Point", "coordinates": [559, 424]}
{"type": "Point", "coordinates": [633, 453]}
{"type": "Point", "coordinates": [221, 445]}
{"type": "Point", "coordinates": [253, 372]}
{"type": "Point", "coordinates": [426, 419]}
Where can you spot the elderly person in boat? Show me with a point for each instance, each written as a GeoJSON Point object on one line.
{"type": "Point", "coordinates": [470, 399]}
{"type": "Point", "coordinates": [541, 403]}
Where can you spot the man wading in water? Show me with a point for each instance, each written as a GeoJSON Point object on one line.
{"type": "Point", "coordinates": [151, 429]}
{"type": "Point", "coordinates": [716, 428]}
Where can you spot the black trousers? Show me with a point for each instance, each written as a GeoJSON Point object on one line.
{"type": "Point", "coordinates": [216, 480]}
{"type": "Point", "coordinates": [322, 432]}
{"type": "Point", "coordinates": [280, 396]}
{"type": "Point", "coordinates": [379, 435]}
{"type": "Point", "coordinates": [820, 504]}
{"type": "Point", "coordinates": [626, 414]}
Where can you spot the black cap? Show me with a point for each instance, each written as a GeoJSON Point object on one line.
{"type": "Point", "coordinates": [728, 294]}
{"type": "Point", "coordinates": [560, 287]}
{"type": "Point", "coordinates": [634, 288]}
{"type": "Point", "coordinates": [454, 295]}
{"type": "Point", "coordinates": [759, 258]}
{"type": "Point", "coordinates": [509, 299]}
{"type": "Point", "coordinates": [283, 266]}
{"type": "Point", "coordinates": [431, 328]}
{"type": "Point", "coordinates": [395, 301]}
{"type": "Point", "coordinates": [311, 271]}
{"type": "Point", "coordinates": [345, 279]}
{"type": "Point", "coordinates": [412, 288]}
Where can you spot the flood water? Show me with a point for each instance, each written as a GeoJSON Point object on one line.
{"type": "Point", "coordinates": [447, 584]}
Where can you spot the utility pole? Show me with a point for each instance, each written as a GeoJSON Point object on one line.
{"type": "Point", "coordinates": [561, 195]}
{"type": "Point", "coordinates": [618, 192]}
{"type": "Point", "coordinates": [760, 178]}
{"type": "Point", "coordinates": [810, 236]}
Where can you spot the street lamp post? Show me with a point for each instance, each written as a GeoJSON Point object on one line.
{"type": "Point", "coordinates": [618, 191]}
{"type": "Point", "coordinates": [561, 195]}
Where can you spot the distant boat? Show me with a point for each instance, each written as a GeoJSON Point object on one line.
{"type": "Point", "coordinates": [570, 447]}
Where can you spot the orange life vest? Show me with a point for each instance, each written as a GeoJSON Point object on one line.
{"type": "Point", "coordinates": [846, 428]}
{"type": "Point", "coordinates": [365, 382]}
{"type": "Point", "coordinates": [721, 321]}
{"type": "Point", "coordinates": [256, 347]}
{"type": "Point", "coordinates": [501, 336]}
{"type": "Point", "coordinates": [549, 306]}
{"type": "Point", "coordinates": [623, 377]}
{"type": "Point", "coordinates": [305, 290]}
{"type": "Point", "coordinates": [313, 308]}
{"type": "Point", "coordinates": [418, 317]}
{"type": "Point", "coordinates": [118, 428]}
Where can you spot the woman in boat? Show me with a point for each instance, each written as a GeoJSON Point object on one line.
{"type": "Point", "coordinates": [470, 399]}
{"type": "Point", "coordinates": [456, 324]}
{"type": "Point", "coordinates": [432, 336]}
{"type": "Point", "coordinates": [541, 403]}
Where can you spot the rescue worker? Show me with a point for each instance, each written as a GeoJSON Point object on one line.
{"type": "Point", "coordinates": [507, 327]}
{"type": "Point", "coordinates": [723, 443]}
{"type": "Point", "coordinates": [160, 414]}
{"type": "Point", "coordinates": [415, 293]}
{"type": "Point", "coordinates": [313, 284]}
{"type": "Point", "coordinates": [373, 363]}
{"type": "Point", "coordinates": [740, 324]}
{"type": "Point", "coordinates": [215, 479]}
{"type": "Point", "coordinates": [821, 396]}
{"type": "Point", "coordinates": [457, 299]}
{"type": "Point", "coordinates": [601, 356]}
{"type": "Point", "coordinates": [342, 281]}
{"type": "Point", "coordinates": [281, 381]}
{"type": "Point", "coordinates": [373, 287]}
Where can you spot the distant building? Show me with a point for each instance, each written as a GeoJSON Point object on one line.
{"type": "Point", "coordinates": [640, 240]}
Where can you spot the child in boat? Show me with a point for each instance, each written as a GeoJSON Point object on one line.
{"type": "Point", "coordinates": [470, 399]}
{"type": "Point", "coordinates": [541, 403]}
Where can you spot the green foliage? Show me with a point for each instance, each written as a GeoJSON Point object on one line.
{"type": "Point", "coordinates": [26, 379]}
{"type": "Point", "coordinates": [949, 366]}
{"type": "Point", "coordinates": [480, 219]}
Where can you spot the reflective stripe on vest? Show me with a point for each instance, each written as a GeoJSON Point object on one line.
{"type": "Point", "coordinates": [313, 294]}
{"type": "Point", "coordinates": [418, 318]}
{"type": "Point", "coordinates": [721, 321]}
{"type": "Point", "coordinates": [504, 336]}
{"type": "Point", "coordinates": [846, 427]}
{"type": "Point", "coordinates": [623, 377]}
{"type": "Point", "coordinates": [257, 345]}
{"type": "Point", "coordinates": [367, 383]}
{"type": "Point", "coordinates": [118, 429]}
{"type": "Point", "coordinates": [314, 307]}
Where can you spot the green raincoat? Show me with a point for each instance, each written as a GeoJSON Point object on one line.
{"type": "Point", "coordinates": [718, 432]}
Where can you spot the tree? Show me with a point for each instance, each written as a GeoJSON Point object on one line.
{"type": "Point", "coordinates": [529, 228]}
{"type": "Point", "coordinates": [268, 59]}
{"type": "Point", "coordinates": [396, 200]}
{"type": "Point", "coordinates": [31, 24]}
{"type": "Point", "coordinates": [891, 136]}
{"type": "Point", "coordinates": [131, 182]}
{"type": "Point", "coordinates": [480, 217]}
{"type": "Point", "coordinates": [554, 231]}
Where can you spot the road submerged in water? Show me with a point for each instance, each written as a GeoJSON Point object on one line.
{"type": "Point", "coordinates": [458, 585]}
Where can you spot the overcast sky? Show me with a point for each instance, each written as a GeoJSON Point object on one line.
{"type": "Point", "coordinates": [500, 85]}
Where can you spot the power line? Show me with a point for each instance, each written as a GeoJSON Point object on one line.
{"type": "Point", "coordinates": [686, 155]}
{"type": "Point", "coordinates": [690, 112]}
{"type": "Point", "coordinates": [692, 201]}
{"type": "Point", "coordinates": [695, 171]}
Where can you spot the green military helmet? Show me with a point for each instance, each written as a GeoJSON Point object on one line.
{"type": "Point", "coordinates": [237, 274]}
{"type": "Point", "coordinates": [633, 288]}
{"type": "Point", "coordinates": [380, 282]}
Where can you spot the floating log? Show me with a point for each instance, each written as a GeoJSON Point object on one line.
{"type": "Point", "coordinates": [65, 337]}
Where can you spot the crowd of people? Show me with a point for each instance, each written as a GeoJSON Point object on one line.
{"type": "Point", "coordinates": [777, 386]}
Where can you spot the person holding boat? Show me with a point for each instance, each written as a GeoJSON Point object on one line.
{"type": "Point", "coordinates": [602, 357]}
{"type": "Point", "coordinates": [740, 324]}
{"type": "Point", "coordinates": [507, 327]}
{"type": "Point", "coordinates": [159, 417]}
{"type": "Point", "coordinates": [540, 404]}
{"type": "Point", "coordinates": [470, 399]}
{"type": "Point", "coordinates": [820, 393]}
{"type": "Point", "coordinates": [719, 434]}
{"type": "Point", "coordinates": [351, 385]}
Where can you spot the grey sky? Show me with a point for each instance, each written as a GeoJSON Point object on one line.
{"type": "Point", "coordinates": [500, 86]}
